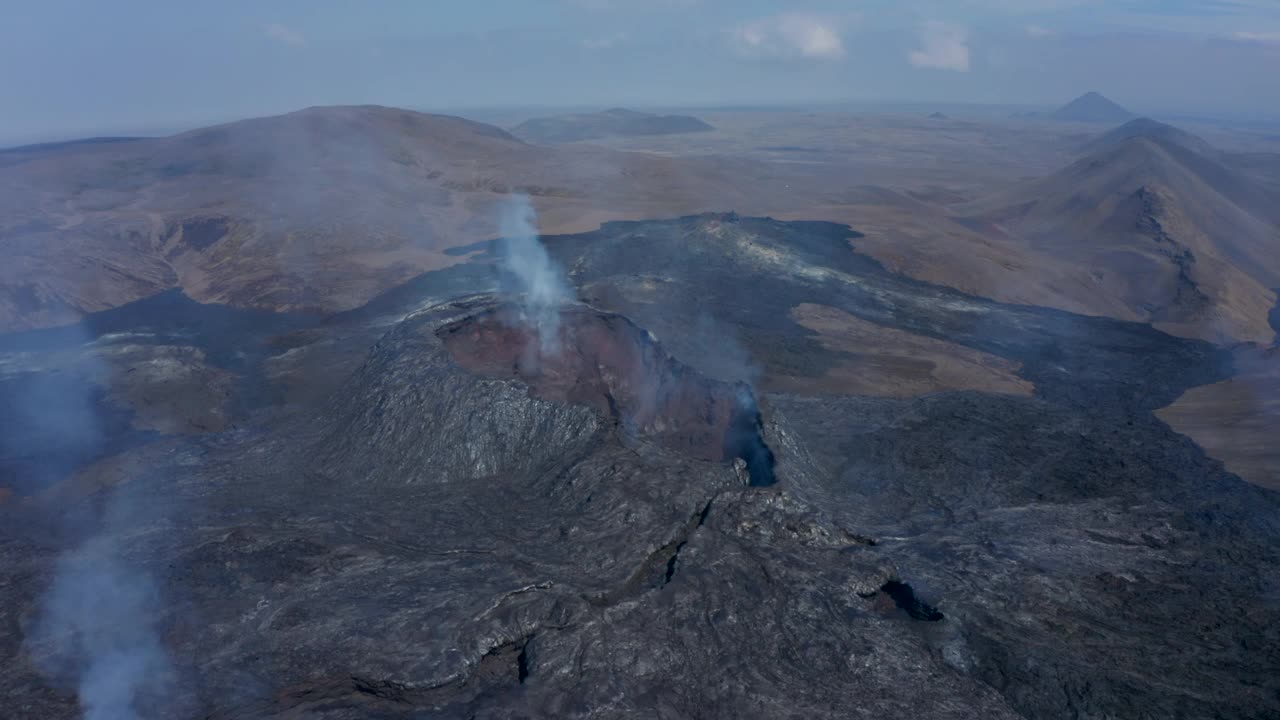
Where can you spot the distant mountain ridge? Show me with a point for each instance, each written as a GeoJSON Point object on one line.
{"type": "Point", "coordinates": [1092, 107]}
{"type": "Point", "coordinates": [615, 122]}
{"type": "Point", "coordinates": [60, 144]}
{"type": "Point", "coordinates": [1151, 129]}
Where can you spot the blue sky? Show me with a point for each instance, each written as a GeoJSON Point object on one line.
{"type": "Point", "coordinates": [69, 68]}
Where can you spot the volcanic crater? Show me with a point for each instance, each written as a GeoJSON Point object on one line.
{"type": "Point", "coordinates": [608, 363]}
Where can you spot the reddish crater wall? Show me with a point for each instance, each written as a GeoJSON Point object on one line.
{"type": "Point", "coordinates": [607, 362]}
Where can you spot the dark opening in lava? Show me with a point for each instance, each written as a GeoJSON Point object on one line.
{"type": "Point", "coordinates": [745, 440]}
{"type": "Point", "coordinates": [522, 664]}
{"type": "Point", "coordinates": [905, 598]}
{"type": "Point", "coordinates": [607, 362]}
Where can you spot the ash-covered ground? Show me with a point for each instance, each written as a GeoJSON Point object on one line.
{"type": "Point", "coordinates": [406, 512]}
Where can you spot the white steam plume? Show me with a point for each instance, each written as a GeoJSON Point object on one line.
{"type": "Point", "coordinates": [530, 277]}
{"type": "Point", "coordinates": [98, 627]}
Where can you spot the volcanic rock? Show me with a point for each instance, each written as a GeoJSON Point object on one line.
{"type": "Point", "coordinates": [608, 364]}
{"type": "Point", "coordinates": [454, 531]}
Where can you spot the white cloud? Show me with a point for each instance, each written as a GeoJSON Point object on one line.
{"type": "Point", "coordinates": [1260, 37]}
{"type": "Point", "coordinates": [943, 46]}
{"type": "Point", "coordinates": [283, 34]}
{"type": "Point", "coordinates": [604, 42]}
{"type": "Point", "coordinates": [631, 4]}
{"type": "Point", "coordinates": [794, 35]}
{"type": "Point", "coordinates": [1039, 31]}
{"type": "Point", "coordinates": [1034, 6]}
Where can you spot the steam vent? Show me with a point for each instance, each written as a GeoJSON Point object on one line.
{"type": "Point", "coordinates": [606, 362]}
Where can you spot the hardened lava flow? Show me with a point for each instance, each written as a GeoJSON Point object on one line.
{"type": "Point", "coordinates": [606, 362]}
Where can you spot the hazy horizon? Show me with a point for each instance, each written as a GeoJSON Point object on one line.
{"type": "Point", "coordinates": [143, 66]}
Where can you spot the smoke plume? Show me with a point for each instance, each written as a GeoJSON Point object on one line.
{"type": "Point", "coordinates": [95, 626]}
{"type": "Point", "coordinates": [530, 277]}
{"type": "Point", "coordinates": [96, 630]}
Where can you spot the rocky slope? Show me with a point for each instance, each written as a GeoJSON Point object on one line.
{"type": "Point", "coordinates": [1167, 233]}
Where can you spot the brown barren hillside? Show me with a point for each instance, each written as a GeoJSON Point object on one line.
{"type": "Point", "coordinates": [1237, 420]}
{"type": "Point", "coordinates": [928, 243]}
{"type": "Point", "coordinates": [318, 209]}
{"type": "Point", "coordinates": [617, 122]}
{"type": "Point", "coordinates": [1164, 234]}
{"type": "Point", "coordinates": [324, 208]}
